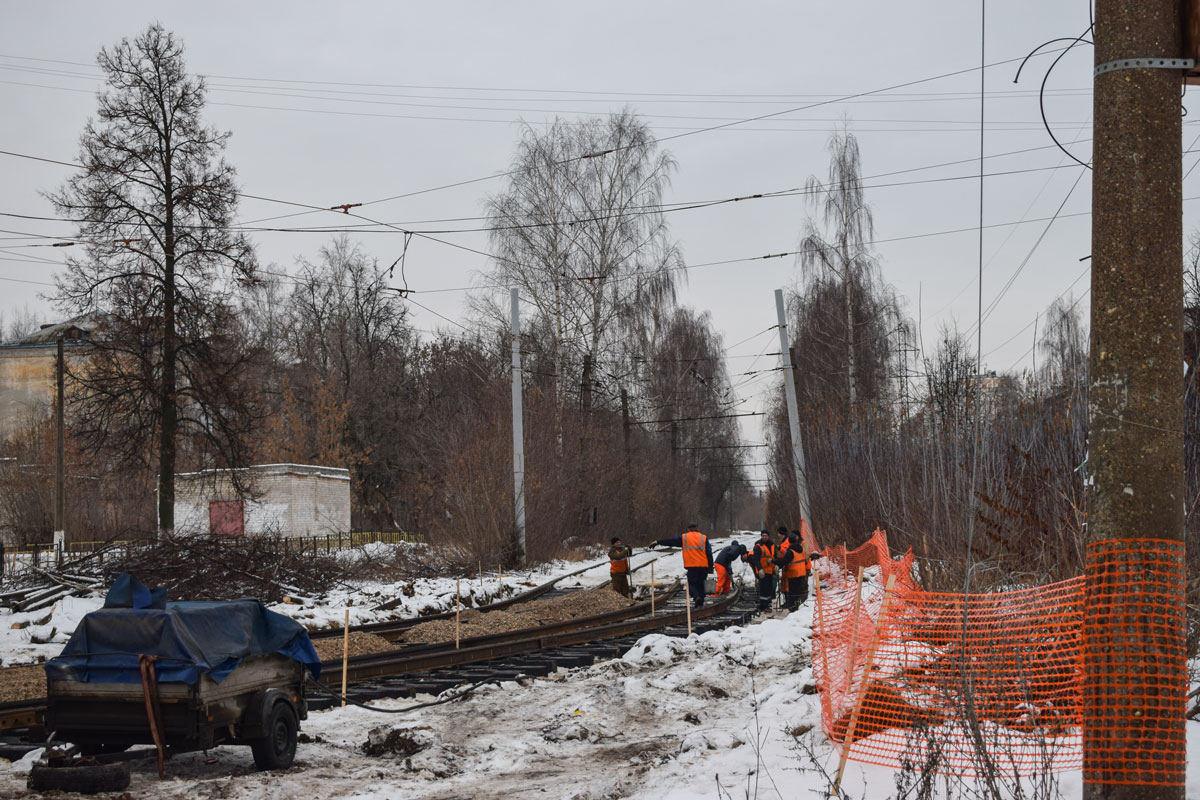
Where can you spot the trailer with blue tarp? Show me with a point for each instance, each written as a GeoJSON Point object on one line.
{"type": "Point", "coordinates": [182, 676]}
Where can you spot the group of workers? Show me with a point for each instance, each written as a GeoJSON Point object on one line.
{"type": "Point", "coordinates": [788, 558]}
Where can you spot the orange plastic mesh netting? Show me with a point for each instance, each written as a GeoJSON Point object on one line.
{"type": "Point", "coordinates": [891, 677]}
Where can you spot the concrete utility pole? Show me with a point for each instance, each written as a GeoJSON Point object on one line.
{"type": "Point", "coordinates": [585, 384]}
{"type": "Point", "coordinates": [789, 390]}
{"type": "Point", "coordinates": [60, 467]}
{"type": "Point", "coordinates": [1134, 634]}
{"type": "Point", "coordinates": [627, 431]}
{"type": "Point", "coordinates": [518, 430]}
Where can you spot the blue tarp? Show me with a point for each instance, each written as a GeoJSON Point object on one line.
{"type": "Point", "coordinates": [190, 639]}
{"type": "Point", "coordinates": [128, 592]}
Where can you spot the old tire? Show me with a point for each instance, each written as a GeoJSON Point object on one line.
{"type": "Point", "coordinates": [277, 749]}
{"type": "Point", "coordinates": [84, 780]}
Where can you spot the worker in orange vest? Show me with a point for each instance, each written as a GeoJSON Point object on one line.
{"type": "Point", "coordinates": [795, 565]}
{"type": "Point", "coordinates": [697, 560]}
{"type": "Point", "coordinates": [723, 564]}
{"type": "Point", "coordinates": [618, 566]}
{"type": "Point", "coordinates": [762, 560]}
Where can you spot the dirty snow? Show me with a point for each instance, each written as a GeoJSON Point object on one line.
{"type": "Point", "coordinates": [670, 720]}
{"type": "Point", "coordinates": [38, 642]}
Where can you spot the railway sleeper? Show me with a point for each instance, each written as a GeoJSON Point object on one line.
{"type": "Point", "coordinates": [563, 658]}
{"type": "Point", "coordinates": [534, 668]}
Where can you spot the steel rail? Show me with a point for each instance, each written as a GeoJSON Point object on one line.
{"type": "Point", "coordinates": [580, 632]}
{"type": "Point", "coordinates": [390, 627]}
{"type": "Point", "coordinates": [629, 612]}
{"type": "Point", "coordinates": [613, 624]}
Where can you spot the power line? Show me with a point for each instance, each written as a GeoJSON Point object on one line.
{"type": "Point", "coordinates": [1034, 320]}
{"type": "Point", "coordinates": [541, 90]}
{"type": "Point", "coordinates": [710, 129]}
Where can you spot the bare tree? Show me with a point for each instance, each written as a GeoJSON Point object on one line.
{"type": "Point", "coordinates": [156, 201]}
{"type": "Point", "coordinates": [842, 255]}
{"type": "Point", "coordinates": [24, 323]}
{"type": "Point", "coordinates": [579, 231]}
{"type": "Point", "coordinates": [1064, 345]}
{"type": "Point", "coordinates": [950, 377]}
{"type": "Point", "coordinates": [348, 347]}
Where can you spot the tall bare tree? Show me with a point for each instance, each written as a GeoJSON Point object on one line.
{"type": "Point", "coordinates": [842, 254]}
{"type": "Point", "coordinates": [154, 204]}
{"type": "Point", "coordinates": [1064, 346]}
{"type": "Point", "coordinates": [349, 347]}
{"type": "Point", "coordinates": [579, 230]}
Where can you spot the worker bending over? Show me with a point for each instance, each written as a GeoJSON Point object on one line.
{"type": "Point", "coordinates": [795, 565]}
{"type": "Point", "coordinates": [762, 560]}
{"type": "Point", "coordinates": [723, 564]}
{"type": "Point", "coordinates": [697, 560]}
{"type": "Point", "coordinates": [618, 567]}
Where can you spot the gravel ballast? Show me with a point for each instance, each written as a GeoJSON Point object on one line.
{"type": "Point", "coordinates": [361, 644]}
{"type": "Point", "coordinates": [22, 683]}
{"type": "Point", "coordinates": [527, 615]}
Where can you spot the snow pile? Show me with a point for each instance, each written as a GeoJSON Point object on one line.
{"type": "Point", "coordinates": [45, 631]}
{"type": "Point", "coordinates": [31, 637]}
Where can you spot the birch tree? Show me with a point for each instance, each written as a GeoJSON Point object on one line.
{"type": "Point", "coordinates": [841, 254]}
{"type": "Point", "coordinates": [579, 230]}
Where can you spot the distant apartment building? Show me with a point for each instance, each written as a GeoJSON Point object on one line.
{"type": "Point", "coordinates": [27, 372]}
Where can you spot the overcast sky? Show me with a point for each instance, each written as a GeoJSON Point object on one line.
{"type": "Point", "coordinates": [344, 103]}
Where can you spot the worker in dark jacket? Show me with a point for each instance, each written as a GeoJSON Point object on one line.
{"type": "Point", "coordinates": [795, 565]}
{"type": "Point", "coordinates": [723, 564]}
{"type": "Point", "coordinates": [697, 560]}
{"type": "Point", "coordinates": [618, 567]}
{"type": "Point", "coordinates": [762, 560]}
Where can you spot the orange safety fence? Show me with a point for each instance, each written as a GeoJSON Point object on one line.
{"type": "Point", "coordinates": [945, 682]}
{"type": "Point", "coordinates": [1134, 648]}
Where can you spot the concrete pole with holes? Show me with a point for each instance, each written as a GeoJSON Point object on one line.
{"type": "Point", "coordinates": [60, 461]}
{"type": "Point", "coordinates": [789, 390]}
{"type": "Point", "coordinates": [1134, 621]}
{"type": "Point", "coordinates": [518, 430]}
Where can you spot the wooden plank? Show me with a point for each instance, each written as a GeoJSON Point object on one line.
{"type": "Point", "coordinates": [854, 632]}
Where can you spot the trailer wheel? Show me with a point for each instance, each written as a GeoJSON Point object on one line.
{"type": "Point", "coordinates": [84, 780]}
{"type": "Point", "coordinates": [277, 749]}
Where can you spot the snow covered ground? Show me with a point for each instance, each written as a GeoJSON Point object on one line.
{"type": "Point", "coordinates": [726, 714]}
{"type": "Point", "coordinates": [48, 629]}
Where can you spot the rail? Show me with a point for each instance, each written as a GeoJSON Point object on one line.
{"type": "Point", "coordinates": [477, 650]}
{"type": "Point", "coordinates": [513, 643]}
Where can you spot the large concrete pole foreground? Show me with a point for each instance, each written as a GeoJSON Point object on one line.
{"type": "Point", "coordinates": [1134, 636]}
{"type": "Point", "coordinates": [60, 461]}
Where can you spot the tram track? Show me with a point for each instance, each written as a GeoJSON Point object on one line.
{"type": "Point", "coordinates": [533, 652]}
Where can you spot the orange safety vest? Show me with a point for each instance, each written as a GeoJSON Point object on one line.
{"type": "Point", "coordinates": [694, 554]}
{"type": "Point", "coordinates": [764, 562]}
{"type": "Point", "coordinates": [798, 566]}
{"type": "Point", "coordinates": [621, 565]}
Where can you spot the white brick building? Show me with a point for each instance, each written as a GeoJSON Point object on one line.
{"type": "Point", "coordinates": [288, 499]}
